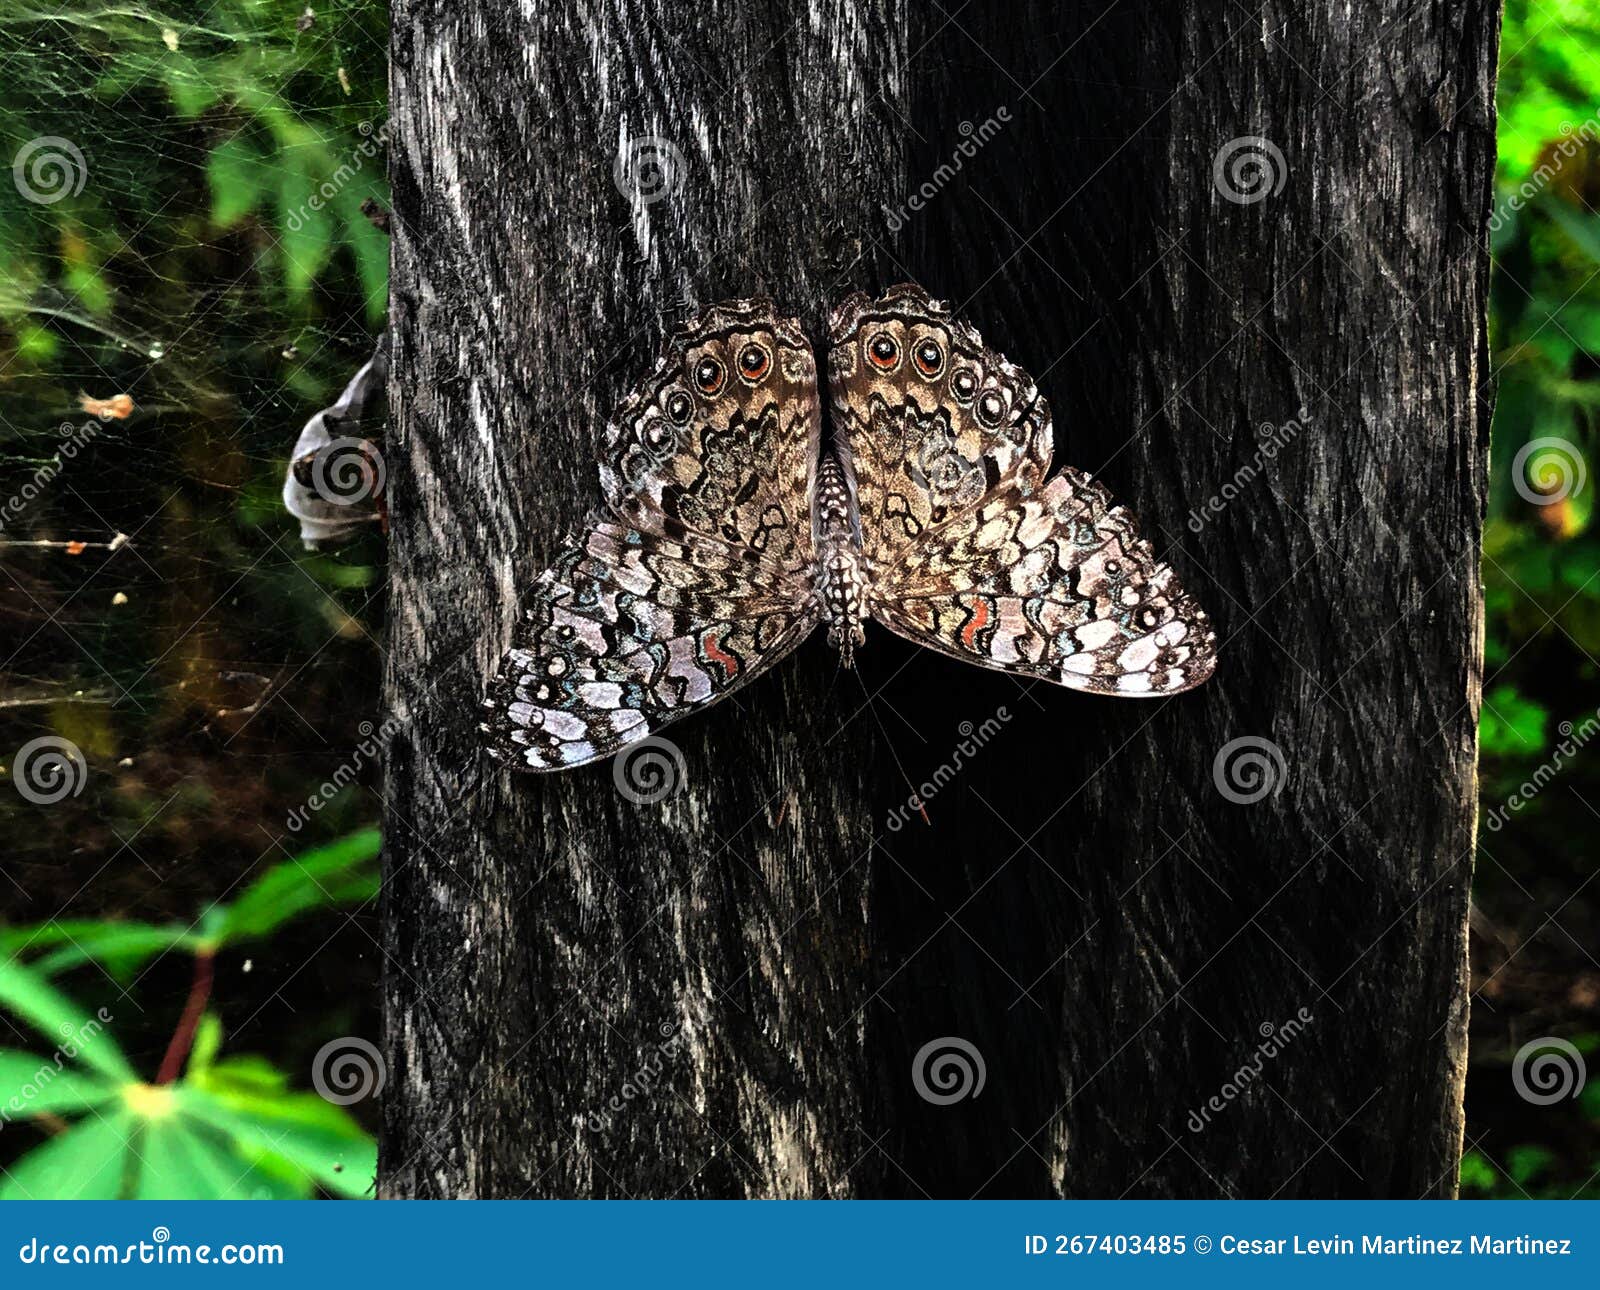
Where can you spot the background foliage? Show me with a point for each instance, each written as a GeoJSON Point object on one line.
{"type": "Point", "coordinates": [222, 266]}
{"type": "Point", "coordinates": [1535, 904]}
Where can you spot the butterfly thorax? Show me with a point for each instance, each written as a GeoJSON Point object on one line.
{"type": "Point", "coordinates": [841, 582]}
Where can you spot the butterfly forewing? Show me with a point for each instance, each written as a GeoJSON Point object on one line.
{"type": "Point", "coordinates": [697, 578]}
{"type": "Point", "coordinates": [969, 551]}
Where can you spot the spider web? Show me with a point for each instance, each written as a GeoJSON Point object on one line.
{"type": "Point", "coordinates": [191, 264]}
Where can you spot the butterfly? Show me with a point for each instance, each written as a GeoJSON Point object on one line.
{"type": "Point", "coordinates": [728, 535]}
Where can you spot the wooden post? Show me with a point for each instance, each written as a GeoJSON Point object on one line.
{"type": "Point", "coordinates": [1188, 224]}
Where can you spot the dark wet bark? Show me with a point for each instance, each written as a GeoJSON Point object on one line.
{"type": "Point", "coordinates": [724, 994]}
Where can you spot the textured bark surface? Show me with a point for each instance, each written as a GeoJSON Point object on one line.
{"type": "Point", "coordinates": [724, 994]}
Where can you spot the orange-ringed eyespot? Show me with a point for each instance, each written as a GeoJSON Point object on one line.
{"type": "Point", "coordinates": [708, 375]}
{"type": "Point", "coordinates": [753, 362]}
{"type": "Point", "coordinates": [883, 351]}
{"type": "Point", "coordinates": [930, 358]}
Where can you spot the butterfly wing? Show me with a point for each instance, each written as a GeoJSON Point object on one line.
{"type": "Point", "coordinates": [969, 550]}
{"type": "Point", "coordinates": [720, 441]}
{"type": "Point", "coordinates": [696, 580]}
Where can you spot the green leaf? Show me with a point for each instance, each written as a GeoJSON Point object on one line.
{"type": "Point", "coordinates": [1581, 227]}
{"type": "Point", "coordinates": [304, 228]}
{"type": "Point", "coordinates": [238, 176]}
{"type": "Point", "coordinates": [207, 1040]}
{"type": "Point", "coordinates": [36, 1001]}
{"type": "Point", "coordinates": [1525, 1162]}
{"type": "Point", "coordinates": [34, 1085]}
{"type": "Point", "coordinates": [245, 1074]}
{"type": "Point", "coordinates": [185, 1159]}
{"type": "Point", "coordinates": [87, 1162]}
{"type": "Point", "coordinates": [121, 948]}
{"type": "Point", "coordinates": [337, 874]}
{"type": "Point", "coordinates": [309, 1133]}
{"type": "Point", "coordinates": [1510, 725]}
{"type": "Point", "coordinates": [1477, 1174]}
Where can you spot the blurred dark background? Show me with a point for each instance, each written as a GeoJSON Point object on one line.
{"type": "Point", "coordinates": [192, 262]}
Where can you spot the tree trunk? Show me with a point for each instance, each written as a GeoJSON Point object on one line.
{"type": "Point", "coordinates": [752, 988]}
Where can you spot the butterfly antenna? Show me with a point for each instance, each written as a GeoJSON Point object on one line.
{"type": "Point", "coordinates": [915, 797]}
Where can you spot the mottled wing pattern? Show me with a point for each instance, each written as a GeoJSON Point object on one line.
{"type": "Point", "coordinates": [721, 440]}
{"type": "Point", "coordinates": [697, 579]}
{"type": "Point", "coordinates": [1048, 579]}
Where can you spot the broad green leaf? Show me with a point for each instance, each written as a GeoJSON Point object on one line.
{"type": "Point", "coordinates": [1510, 725]}
{"type": "Point", "coordinates": [34, 1085]}
{"type": "Point", "coordinates": [308, 1132]}
{"type": "Point", "coordinates": [187, 1160]}
{"type": "Point", "coordinates": [87, 1162]}
{"type": "Point", "coordinates": [304, 227]}
{"type": "Point", "coordinates": [120, 948]}
{"type": "Point", "coordinates": [340, 873]}
{"type": "Point", "coordinates": [238, 175]}
{"type": "Point", "coordinates": [78, 1035]}
{"type": "Point", "coordinates": [245, 1074]}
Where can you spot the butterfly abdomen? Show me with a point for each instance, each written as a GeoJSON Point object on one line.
{"type": "Point", "coordinates": [841, 581]}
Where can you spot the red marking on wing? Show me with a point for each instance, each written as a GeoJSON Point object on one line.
{"type": "Point", "coordinates": [715, 653]}
{"type": "Point", "coordinates": [980, 615]}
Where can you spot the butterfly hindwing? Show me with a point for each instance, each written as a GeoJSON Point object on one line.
{"type": "Point", "coordinates": [607, 651]}
{"type": "Point", "coordinates": [981, 558]}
